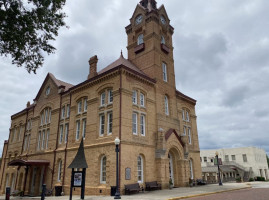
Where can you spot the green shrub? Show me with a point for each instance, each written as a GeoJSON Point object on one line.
{"type": "Point", "coordinates": [259, 178]}
{"type": "Point", "coordinates": [251, 179]}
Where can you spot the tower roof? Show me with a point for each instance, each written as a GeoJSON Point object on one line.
{"type": "Point", "coordinates": [149, 4]}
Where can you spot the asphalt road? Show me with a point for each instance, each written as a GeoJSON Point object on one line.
{"type": "Point", "coordinates": [246, 194]}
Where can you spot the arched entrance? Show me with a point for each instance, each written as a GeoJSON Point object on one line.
{"type": "Point", "coordinates": [171, 168]}
{"type": "Point", "coordinates": [174, 166]}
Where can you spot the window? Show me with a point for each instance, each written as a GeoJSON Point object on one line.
{"type": "Point", "coordinates": [162, 40]}
{"type": "Point", "coordinates": [142, 99]}
{"type": "Point", "coordinates": [191, 169]}
{"type": "Point", "coordinates": [77, 129]}
{"type": "Point", "coordinates": [14, 134]}
{"type": "Point", "coordinates": [245, 157]}
{"type": "Point", "coordinates": [233, 157]}
{"type": "Point", "coordinates": [66, 133]}
{"type": "Point", "coordinates": [134, 97]}
{"type": "Point", "coordinates": [140, 39]}
{"type": "Point", "coordinates": [48, 90]}
{"type": "Point", "coordinates": [102, 124]}
{"type": "Point", "coordinates": [43, 139]}
{"type": "Point", "coordinates": [85, 105]}
{"type": "Point", "coordinates": [166, 106]}
{"type": "Point", "coordinates": [189, 135]}
{"type": "Point", "coordinates": [60, 171]}
{"type": "Point", "coordinates": [164, 72]}
{"type": "Point", "coordinates": [142, 125]}
{"type": "Point", "coordinates": [187, 116]}
{"type": "Point", "coordinates": [205, 159]}
{"type": "Point", "coordinates": [48, 135]}
{"type": "Point", "coordinates": [227, 158]}
{"type": "Point", "coordinates": [110, 96]}
{"type": "Point", "coordinates": [46, 116]}
{"type": "Point", "coordinates": [79, 106]}
{"type": "Point", "coordinates": [29, 125]}
{"type": "Point", "coordinates": [184, 130]}
{"type": "Point", "coordinates": [140, 169]}
{"type": "Point", "coordinates": [67, 110]}
{"type": "Point", "coordinates": [103, 98]}
{"type": "Point", "coordinates": [134, 123]}
{"type": "Point", "coordinates": [25, 143]}
{"type": "Point", "coordinates": [39, 140]}
{"type": "Point", "coordinates": [109, 123]}
{"type": "Point", "coordinates": [63, 112]}
{"type": "Point", "coordinates": [83, 128]}
{"type": "Point", "coordinates": [183, 115]}
{"type": "Point", "coordinates": [103, 170]}
{"type": "Point", "coordinates": [61, 134]}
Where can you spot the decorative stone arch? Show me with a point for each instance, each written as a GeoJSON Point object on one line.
{"type": "Point", "coordinates": [81, 96]}
{"type": "Point", "coordinates": [104, 87]}
{"type": "Point", "coordinates": [47, 105]}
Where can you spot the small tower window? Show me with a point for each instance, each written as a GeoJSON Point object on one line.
{"type": "Point", "coordinates": [162, 40]}
{"type": "Point", "coordinates": [48, 90]}
{"type": "Point", "coordinates": [140, 39]}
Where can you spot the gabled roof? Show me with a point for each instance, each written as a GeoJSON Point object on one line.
{"type": "Point", "coordinates": [185, 97]}
{"type": "Point", "coordinates": [57, 82]}
{"type": "Point", "coordinates": [170, 132]}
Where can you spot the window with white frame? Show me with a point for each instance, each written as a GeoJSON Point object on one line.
{"type": "Point", "coordinates": [245, 157]}
{"type": "Point", "coordinates": [140, 169]}
{"type": "Point", "coordinates": [142, 125]}
{"type": "Point", "coordinates": [59, 171]}
{"type": "Point", "coordinates": [134, 97]}
{"type": "Point", "coordinates": [77, 129]}
{"type": "Point", "coordinates": [63, 112]}
{"type": "Point", "coordinates": [187, 116]}
{"type": "Point", "coordinates": [166, 105]}
{"type": "Point", "coordinates": [61, 134]}
{"type": "Point", "coordinates": [140, 39]}
{"type": "Point", "coordinates": [84, 128]}
{"type": "Point", "coordinates": [80, 106]}
{"type": "Point", "coordinates": [109, 123]}
{"type": "Point", "coordinates": [184, 130]}
{"type": "Point", "coordinates": [85, 105]}
{"type": "Point", "coordinates": [45, 116]}
{"type": "Point", "coordinates": [103, 170]}
{"type": "Point", "coordinates": [48, 91]}
{"type": "Point", "coordinates": [66, 132]}
{"type": "Point", "coordinates": [110, 96]}
{"type": "Point", "coordinates": [191, 169]}
{"type": "Point", "coordinates": [48, 135]}
{"type": "Point", "coordinates": [43, 139]}
{"type": "Point", "coordinates": [164, 72]}
{"type": "Point", "coordinates": [189, 135]}
{"type": "Point", "coordinates": [39, 140]}
{"type": "Point", "coordinates": [183, 115]}
{"type": "Point", "coordinates": [103, 98]}
{"type": "Point", "coordinates": [102, 125]}
{"type": "Point", "coordinates": [142, 100]}
{"type": "Point", "coordinates": [134, 123]}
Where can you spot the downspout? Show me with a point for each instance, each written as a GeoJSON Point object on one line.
{"type": "Point", "coordinates": [54, 152]}
{"type": "Point", "coordinates": [65, 150]}
{"type": "Point", "coordinates": [120, 126]}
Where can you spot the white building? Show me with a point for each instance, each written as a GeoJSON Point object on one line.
{"type": "Point", "coordinates": [250, 160]}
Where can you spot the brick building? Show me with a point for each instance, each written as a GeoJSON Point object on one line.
{"type": "Point", "coordinates": [134, 99]}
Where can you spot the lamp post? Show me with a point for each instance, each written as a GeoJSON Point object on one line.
{"type": "Point", "coordinates": [117, 143]}
{"type": "Point", "coordinates": [217, 157]}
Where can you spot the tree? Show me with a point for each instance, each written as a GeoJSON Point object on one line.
{"type": "Point", "coordinates": [267, 160]}
{"type": "Point", "coordinates": [27, 27]}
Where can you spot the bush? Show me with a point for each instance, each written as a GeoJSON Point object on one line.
{"type": "Point", "coordinates": [259, 178]}
{"type": "Point", "coordinates": [251, 179]}
{"type": "Point", "coordinates": [238, 179]}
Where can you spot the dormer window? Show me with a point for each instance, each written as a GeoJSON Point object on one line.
{"type": "Point", "coordinates": [140, 39]}
{"type": "Point", "coordinates": [48, 90]}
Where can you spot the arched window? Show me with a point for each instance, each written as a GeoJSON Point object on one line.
{"type": "Point", "coordinates": [103, 170]}
{"type": "Point", "coordinates": [59, 170]}
{"type": "Point", "coordinates": [45, 116]}
{"type": "Point", "coordinates": [140, 173]}
{"type": "Point", "coordinates": [166, 105]}
{"type": "Point", "coordinates": [140, 39]}
{"type": "Point", "coordinates": [191, 170]}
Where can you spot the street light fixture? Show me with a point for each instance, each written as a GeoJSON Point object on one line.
{"type": "Point", "coordinates": [217, 157]}
{"type": "Point", "coordinates": [117, 143]}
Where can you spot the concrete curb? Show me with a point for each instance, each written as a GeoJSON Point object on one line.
{"type": "Point", "coordinates": [208, 193]}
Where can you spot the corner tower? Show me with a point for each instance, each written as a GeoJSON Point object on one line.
{"type": "Point", "coordinates": [150, 45]}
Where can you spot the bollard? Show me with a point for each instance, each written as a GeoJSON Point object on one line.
{"type": "Point", "coordinates": [7, 193]}
{"type": "Point", "coordinates": [43, 192]}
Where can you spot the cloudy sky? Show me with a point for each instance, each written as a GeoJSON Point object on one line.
{"type": "Point", "coordinates": [221, 52]}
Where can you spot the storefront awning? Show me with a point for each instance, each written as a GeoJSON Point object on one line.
{"type": "Point", "coordinates": [20, 162]}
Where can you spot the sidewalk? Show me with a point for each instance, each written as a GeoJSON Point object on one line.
{"type": "Point", "coordinates": [166, 194]}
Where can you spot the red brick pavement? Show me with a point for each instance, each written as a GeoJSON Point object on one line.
{"type": "Point", "coordinates": [246, 194]}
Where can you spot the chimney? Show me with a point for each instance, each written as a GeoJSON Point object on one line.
{"type": "Point", "coordinates": [93, 66]}
{"type": "Point", "coordinates": [28, 104]}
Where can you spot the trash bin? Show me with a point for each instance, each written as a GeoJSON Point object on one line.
{"type": "Point", "coordinates": [58, 190]}
{"type": "Point", "coordinates": [113, 190]}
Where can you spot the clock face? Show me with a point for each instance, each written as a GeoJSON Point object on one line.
{"type": "Point", "coordinates": [163, 20]}
{"type": "Point", "coordinates": [138, 19]}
